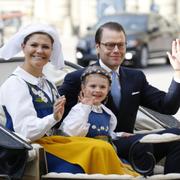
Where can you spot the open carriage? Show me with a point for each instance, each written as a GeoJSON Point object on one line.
{"type": "Point", "coordinates": [147, 120]}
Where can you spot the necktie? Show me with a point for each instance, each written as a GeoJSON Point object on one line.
{"type": "Point", "coordinates": [115, 89]}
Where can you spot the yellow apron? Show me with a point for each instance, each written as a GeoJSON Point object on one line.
{"type": "Point", "coordinates": [93, 155]}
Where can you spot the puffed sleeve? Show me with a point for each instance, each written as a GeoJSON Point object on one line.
{"type": "Point", "coordinates": [16, 98]}
{"type": "Point", "coordinates": [76, 122]}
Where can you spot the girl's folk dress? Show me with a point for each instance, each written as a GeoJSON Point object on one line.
{"type": "Point", "coordinates": [94, 121]}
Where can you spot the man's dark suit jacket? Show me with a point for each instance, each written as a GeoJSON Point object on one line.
{"type": "Point", "coordinates": [135, 91]}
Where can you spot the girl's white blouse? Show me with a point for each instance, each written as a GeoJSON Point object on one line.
{"type": "Point", "coordinates": [15, 96]}
{"type": "Point", "coordinates": [76, 122]}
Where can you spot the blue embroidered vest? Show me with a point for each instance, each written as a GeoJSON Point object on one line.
{"type": "Point", "coordinates": [41, 101]}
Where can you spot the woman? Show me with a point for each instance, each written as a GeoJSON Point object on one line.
{"type": "Point", "coordinates": [33, 107]}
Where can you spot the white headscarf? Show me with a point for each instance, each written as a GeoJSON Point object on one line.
{"type": "Point", "coordinates": [13, 46]}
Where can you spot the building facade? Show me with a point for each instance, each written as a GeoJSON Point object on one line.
{"type": "Point", "coordinates": [72, 17]}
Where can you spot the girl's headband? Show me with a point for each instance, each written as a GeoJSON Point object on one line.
{"type": "Point", "coordinates": [96, 70]}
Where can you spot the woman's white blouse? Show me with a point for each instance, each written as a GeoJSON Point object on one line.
{"type": "Point", "coordinates": [76, 122]}
{"type": "Point", "coordinates": [15, 96]}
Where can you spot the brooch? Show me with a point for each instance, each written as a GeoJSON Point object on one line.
{"type": "Point", "coordinates": [41, 95]}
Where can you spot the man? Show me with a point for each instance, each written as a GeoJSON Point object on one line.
{"type": "Point", "coordinates": [134, 91]}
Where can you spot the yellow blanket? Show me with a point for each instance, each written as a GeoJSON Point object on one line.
{"type": "Point", "coordinates": [94, 156]}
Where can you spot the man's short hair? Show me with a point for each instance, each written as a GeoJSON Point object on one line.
{"type": "Point", "coordinates": [109, 25]}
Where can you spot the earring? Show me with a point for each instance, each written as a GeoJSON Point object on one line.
{"type": "Point", "coordinates": [105, 100]}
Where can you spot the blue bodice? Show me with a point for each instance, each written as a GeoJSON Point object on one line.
{"type": "Point", "coordinates": [41, 101]}
{"type": "Point", "coordinates": [99, 124]}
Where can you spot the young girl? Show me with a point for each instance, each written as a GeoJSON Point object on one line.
{"type": "Point", "coordinates": [90, 117]}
